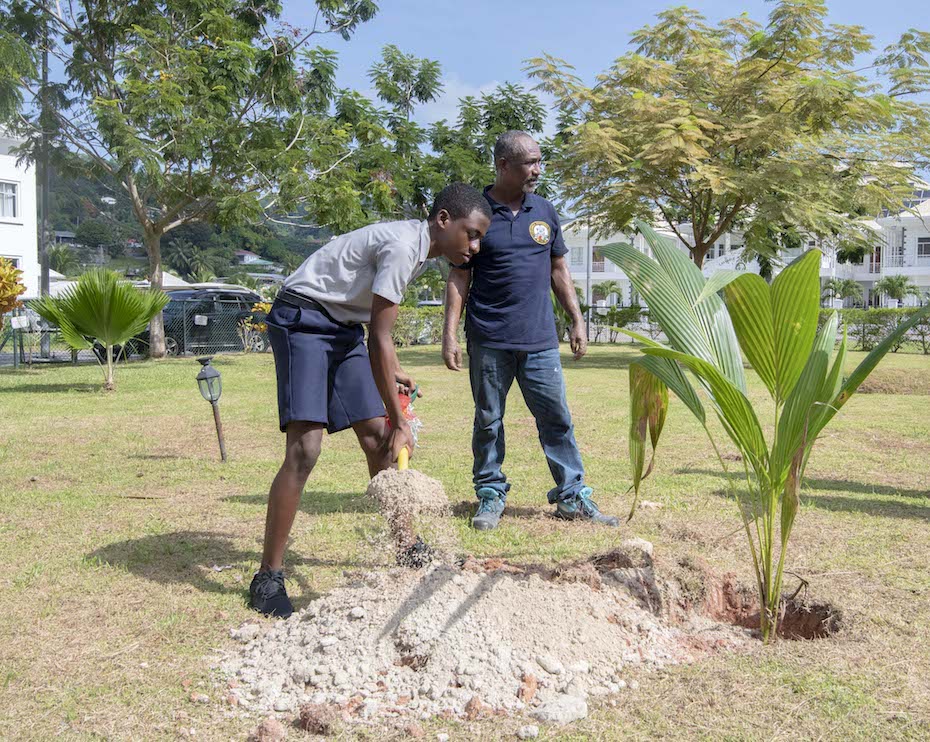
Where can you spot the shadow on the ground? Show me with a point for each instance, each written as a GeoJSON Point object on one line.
{"type": "Point", "coordinates": [813, 488]}
{"type": "Point", "coordinates": [431, 355]}
{"type": "Point", "coordinates": [157, 456]}
{"type": "Point", "coordinates": [189, 558]}
{"type": "Point", "coordinates": [317, 502]}
{"type": "Point", "coordinates": [466, 509]}
{"type": "Point", "coordinates": [82, 387]}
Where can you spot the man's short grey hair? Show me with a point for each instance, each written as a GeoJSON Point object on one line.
{"type": "Point", "coordinates": [510, 145]}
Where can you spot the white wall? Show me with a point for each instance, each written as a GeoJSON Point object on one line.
{"type": "Point", "coordinates": [18, 235]}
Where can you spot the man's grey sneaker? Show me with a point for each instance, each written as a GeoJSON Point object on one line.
{"type": "Point", "coordinates": [582, 507]}
{"type": "Point", "coordinates": [490, 509]}
{"type": "Point", "coordinates": [415, 556]}
{"type": "Point", "coordinates": [267, 594]}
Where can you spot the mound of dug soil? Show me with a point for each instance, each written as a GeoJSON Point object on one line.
{"type": "Point", "coordinates": [475, 638]}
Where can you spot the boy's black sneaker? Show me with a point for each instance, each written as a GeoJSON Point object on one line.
{"type": "Point", "coordinates": [267, 594]}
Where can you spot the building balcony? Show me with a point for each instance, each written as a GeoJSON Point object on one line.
{"type": "Point", "coordinates": [893, 260]}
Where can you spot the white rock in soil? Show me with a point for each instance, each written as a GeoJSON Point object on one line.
{"type": "Point", "coordinates": [550, 664]}
{"type": "Point", "coordinates": [530, 731]}
{"type": "Point", "coordinates": [357, 613]}
{"type": "Point", "coordinates": [282, 704]}
{"type": "Point", "coordinates": [579, 668]}
{"type": "Point", "coordinates": [563, 710]}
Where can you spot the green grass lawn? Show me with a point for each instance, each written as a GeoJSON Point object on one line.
{"type": "Point", "coordinates": [114, 510]}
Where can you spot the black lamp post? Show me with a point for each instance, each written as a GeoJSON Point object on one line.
{"type": "Point", "coordinates": [211, 386]}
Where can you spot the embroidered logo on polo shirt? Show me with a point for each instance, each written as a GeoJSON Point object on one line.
{"type": "Point", "coordinates": [540, 232]}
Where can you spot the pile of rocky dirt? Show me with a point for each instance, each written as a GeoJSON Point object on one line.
{"type": "Point", "coordinates": [471, 639]}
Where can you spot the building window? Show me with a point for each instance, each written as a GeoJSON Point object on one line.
{"type": "Point", "coordinates": [9, 204]}
{"type": "Point", "coordinates": [14, 261]}
{"type": "Point", "coordinates": [577, 256]}
{"type": "Point", "coordinates": [923, 249]}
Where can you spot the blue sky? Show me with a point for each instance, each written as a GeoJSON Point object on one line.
{"type": "Point", "coordinates": [481, 43]}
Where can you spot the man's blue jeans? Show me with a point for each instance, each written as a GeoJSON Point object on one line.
{"type": "Point", "coordinates": [539, 374]}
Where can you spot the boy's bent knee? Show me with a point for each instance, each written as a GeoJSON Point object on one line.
{"type": "Point", "coordinates": [303, 449]}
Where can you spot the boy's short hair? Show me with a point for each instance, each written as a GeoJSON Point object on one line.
{"type": "Point", "coordinates": [460, 200]}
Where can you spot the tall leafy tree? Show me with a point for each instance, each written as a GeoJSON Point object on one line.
{"type": "Point", "coordinates": [842, 288]}
{"type": "Point", "coordinates": [96, 233]}
{"type": "Point", "coordinates": [897, 288]}
{"type": "Point", "coordinates": [61, 258]}
{"type": "Point", "coordinates": [604, 289]}
{"type": "Point", "coordinates": [192, 262]}
{"type": "Point", "coordinates": [402, 80]}
{"type": "Point", "coordinates": [465, 152]}
{"type": "Point", "coordinates": [746, 126]}
{"type": "Point", "coordinates": [213, 110]}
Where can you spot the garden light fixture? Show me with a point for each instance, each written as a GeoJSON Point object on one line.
{"type": "Point", "coordinates": [210, 384]}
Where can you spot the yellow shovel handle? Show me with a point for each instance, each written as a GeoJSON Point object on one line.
{"type": "Point", "coordinates": [403, 459]}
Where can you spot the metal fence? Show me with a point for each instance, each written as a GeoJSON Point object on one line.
{"type": "Point", "coordinates": [192, 327]}
{"type": "Point", "coordinates": [26, 340]}
{"type": "Point", "coordinates": [204, 326]}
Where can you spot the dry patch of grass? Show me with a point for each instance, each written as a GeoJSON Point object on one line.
{"type": "Point", "coordinates": [896, 381]}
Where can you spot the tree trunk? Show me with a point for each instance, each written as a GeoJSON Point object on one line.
{"type": "Point", "coordinates": [698, 254]}
{"type": "Point", "coordinates": [108, 384]}
{"type": "Point", "coordinates": [157, 325]}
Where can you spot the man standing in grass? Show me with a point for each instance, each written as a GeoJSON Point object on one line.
{"type": "Point", "coordinates": [326, 379]}
{"type": "Point", "coordinates": [510, 326]}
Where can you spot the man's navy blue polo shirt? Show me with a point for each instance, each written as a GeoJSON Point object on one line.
{"type": "Point", "coordinates": [508, 302]}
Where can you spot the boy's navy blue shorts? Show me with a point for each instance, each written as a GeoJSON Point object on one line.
{"type": "Point", "coordinates": [324, 374]}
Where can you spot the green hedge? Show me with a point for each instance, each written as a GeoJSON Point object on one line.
{"type": "Point", "coordinates": [418, 326]}
{"type": "Point", "coordinates": [866, 327]}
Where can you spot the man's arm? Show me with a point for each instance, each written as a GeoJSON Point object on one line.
{"type": "Point", "coordinates": [564, 289]}
{"type": "Point", "coordinates": [456, 293]}
{"type": "Point", "coordinates": [385, 368]}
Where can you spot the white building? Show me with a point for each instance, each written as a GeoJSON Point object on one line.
{"type": "Point", "coordinates": [903, 249]}
{"type": "Point", "coordinates": [18, 228]}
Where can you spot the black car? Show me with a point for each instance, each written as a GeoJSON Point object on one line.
{"type": "Point", "coordinates": [210, 320]}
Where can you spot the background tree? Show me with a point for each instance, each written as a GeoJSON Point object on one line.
{"type": "Point", "coordinates": [465, 152]}
{"type": "Point", "coordinates": [61, 258]}
{"type": "Point", "coordinates": [896, 287]}
{"type": "Point", "coordinates": [97, 234]}
{"type": "Point", "coordinates": [744, 126]}
{"type": "Point", "coordinates": [191, 262]}
{"type": "Point", "coordinates": [207, 111]}
{"type": "Point", "coordinates": [842, 288]}
{"type": "Point", "coordinates": [604, 289]}
{"type": "Point", "coordinates": [402, 80]}
{"type": "Point", "coordinates": [399, 165]}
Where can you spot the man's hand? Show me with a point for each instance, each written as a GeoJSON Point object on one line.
{"type": "Point", "coordinates": [578, 339]}
{"type": "Point", "coordinates": [397, 437]}
{"type": "Point", "coordinates": [405, 382]}
{"type": "Point", "coordinates": [451, 353]}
